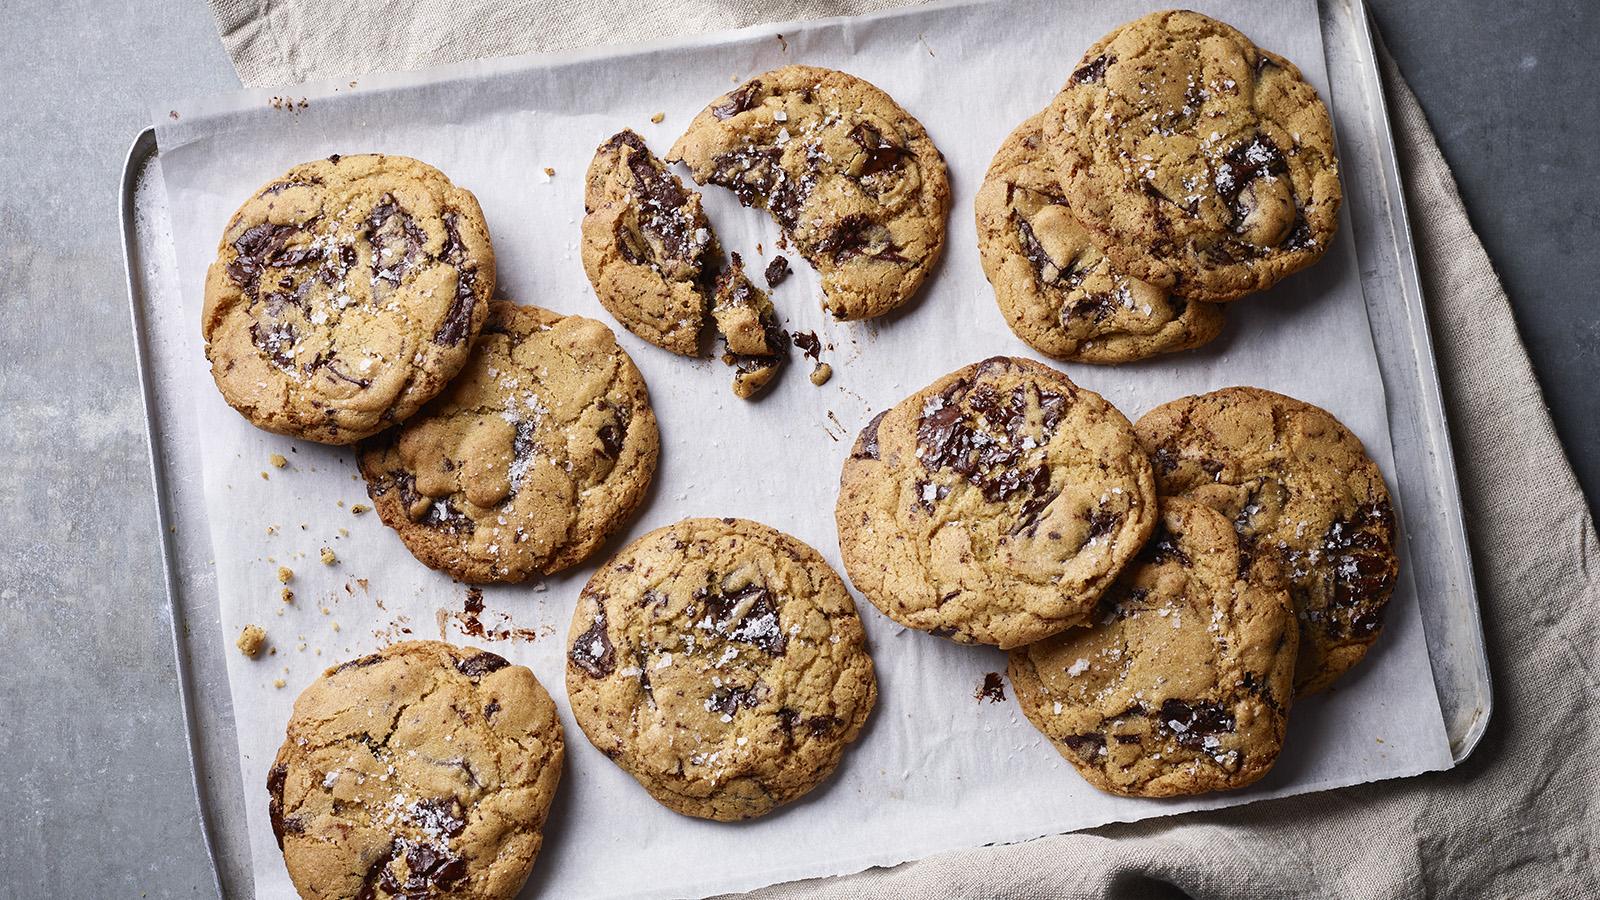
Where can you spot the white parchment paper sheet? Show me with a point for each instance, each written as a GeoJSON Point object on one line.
{"type": "Point", "coordinates": [935, 769]}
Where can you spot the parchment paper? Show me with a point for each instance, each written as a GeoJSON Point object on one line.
{"type": "Point", "coordinates": [935, 769]}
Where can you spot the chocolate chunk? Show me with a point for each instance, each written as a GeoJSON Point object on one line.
{"type": "Point", "coordinates": [1256, 158]}
{"type": "Point", "coordinates": [1045, 269]}
{"type": "Point", "coordinates": [445, 517]}
{"type": "Point", "coordinates": [275, 779]}
{"type": "Point", "coordinates": [1102, 523]}
{"type": "Point", "coordinates": [881, 155]}
{"type": "Point", "coordinates": [490, 708]}
{"type": "Point", "coordinates": [1191, 722]}
{"type": "Point", "coordinates": [1093, 70]}
{"type": "Point", "coordinates": [1357, 549]}
{"type": "Point", "coordinates": [428, 869]}
{"type": "Point", "coordinates": [867, 443]}
{"type": "Point", "coordinates": [481, 663]}
{"type": "Point", "coordinates": [1087, 745]}
{"type": "Point", "coordinates": [397, 240]}
{"type": "Point", "coordinates": [728, 699]}
{"type": "Point", "coordinates": [440, 815]}
{"type": "Point", "coordinates": [857, 235]}
{"type": "Point", "coordinates": [809, 343]}
{"type": "Point", "coordinates": [379, 870]}
{"type": "Point", "coordinates": [992, 688]}
{"type": "Point", "coordinates": [610, 440]}
{"type": "Point", "coordinates": [592, 651]}
{"type": "Point", "coordinates": [777, 271]}
{"type": "Point", "coordinates": [741, 99]}
{"type": "Point", "coordinates": [256, 249]}
{"type": "Point", "coordinates": [758, 625]}
{"type": "Point", "coordinates": [756, 177]}
{"type": "Point", "coordinates": [371, 659]}
{"type": "Point", "coordinates": [820, 726]}
{"type": "Point", "coordinates": [277, 340]}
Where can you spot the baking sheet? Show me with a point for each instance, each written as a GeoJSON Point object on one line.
{"type": "Point", "coordinates": [936, 769]}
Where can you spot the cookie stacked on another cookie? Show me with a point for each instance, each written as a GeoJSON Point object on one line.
{"type": "Point", "coordinates": [423, 770]}
{"type": "Point", "coordinates": [994, 506]}
{"type": "Point", "coordinates": [537, 452]}
{"type": "Point", "coordinates": [1180, 166]}
{"type": "Point", "coordinates": [345, 295]}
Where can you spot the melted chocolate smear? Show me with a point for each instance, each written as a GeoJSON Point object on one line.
{"type": "Point", "coordinates": [948, 437]}
{"type": "Point", "coordinates": [610, 440]}
{"type": "Point", "coordinates": [856, 235]}
{"type": "Point", "coordinates": [738, 101]}
{"type": "Point", "coordinates": [992, 688]}
{"type": "Point", "coordinates": [427, 870]}
{"type": "Point", "coordinates": [756, 177]}
{"type": "Point", "coordinates": [1165, 458]}
{"type": "Point", "coordinates": [1094, 70]}
{"type": "Point", "coordinates": [1254, 684]}
{"type": "Point", "coordinates": [277, 341]}
{"type": "Point", "coordinates": [378, 869]}
{"type": "Point", "coordinates": [592, 651]}
{"type": "Point", "coordinates": [257, 248]}
{"type": "Point", "coordinates": [481, 663]}
{"type": "Point", "coordinates": [443, 516]}
{"type": "Point", "coordinates": [371, 659]}
{"type": "Point", "coordinates": [882, 156]}
{"type": "Point", "coordinates": [777, 271]}
{"type": "Point", "coordinates": [390, 228]}
{"type": "Point", "coordinates": [1256, 158]}
{"type": "Point", "coordinates": [759, 625]}
{"type": "Point", "coordinates": [458, 319]}
{"type": "Point", "coordinates": [1045, 269]}
{"type": "Point", "coordinates": [1357, 548]}
{"type": "Point", "coordinates": [1102, 523]}
{"type": "Point", "coordinates": [1191, 722]}
{"type": "Point", "coordinates": [443, 815]}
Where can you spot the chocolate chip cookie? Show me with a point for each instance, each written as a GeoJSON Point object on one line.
{"type": "Point", "coordinates": [543, 446]}
{"type": "Point", "coordinates": [647, 246]}
{"type": "Point", "coordinates": [854, 180]}
{"type": "Point", "coordinates": [995, 505]}
{"type": "Point", "coordinates": [1058, 291]}
{"type": "Point", "coordinates": [721, 663]}
{"type": "Point", "coordinates": [1200, 162]}
{"type": "Point", "coordinates": [345, 295]}
{"type": "Point", "coordinates": [423, 770]}
{"type": "Point", "coordinates": [1299, 486]}
{"type": "Point", "coordinates": [1182, 683]}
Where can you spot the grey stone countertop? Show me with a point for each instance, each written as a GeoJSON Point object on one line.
{"type": "Point", "coordinates": [95, 793]}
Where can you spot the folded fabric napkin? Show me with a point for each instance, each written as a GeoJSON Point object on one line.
{"type": "Point", "coordinates": [1516, 819]}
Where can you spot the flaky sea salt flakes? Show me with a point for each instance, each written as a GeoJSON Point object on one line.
{"type": "Point", "coordinates": [1078, 667]}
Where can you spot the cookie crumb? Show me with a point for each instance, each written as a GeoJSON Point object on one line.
{"type": "Point", "coordinates": [285, 574]}
{"type": "Point", "coordinates": [265, 476]}
{"type": "Point", "coordinates": [328, 558]}
{"type": "Point", "coordinates": [278, 460]}
{"type": "Point", "coordinates": [658, 118]}
{"type": "Point", "coordinates": [549, 172]}
{"type": "Point", "coordinates": [287, 595]}
{"type": "Point", "coordinates": [821, 374]}
{"type": "Point", "coordinates": [279, 683]}
{"type": "Point", "coordinates": [359, 508]}
{"type": "Point", "coordinates": [251, 640]}
{"type": "Point", "coordinates": [993, 688]}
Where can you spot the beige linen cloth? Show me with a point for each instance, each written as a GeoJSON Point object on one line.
{"type": "Point", "coordinates": [1519, 818]}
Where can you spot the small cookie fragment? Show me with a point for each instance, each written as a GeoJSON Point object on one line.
{"type": "Point", "coordinates": [658, 118]}
{"type": "Point", "coordinates": [543, 446]}
{"type": "Point", "coordinates": [647, 247]}
{"type": "Point", "coordinates": [1182, 683]}
{"type": "Point", "coordinates": [251, 640]}
{"type": "Point", "coordinates": [1298, 485]}
{"type": "Point", "coordinates": [422, 770]}
{"type": "Point", "coordinates": [821, 374]}
{"type": "Point", "coordinates": [852, 178]}
{"type": "Point", "coordinates": [720, 663]}
{"type": "Point", "coordinates": [345, 294]}
{"type": "Point", "coordinates": [278, 460]}
{"type": "Point", "coordinates": [1202, 164]}
{"type": "Point", "coordinates": [995, 505]}
{"type": "Point", "coordinates": [749, 326]}
{"type": "Point", "coordinates": [1057, 290]}
{"type": "Point", "coordinates": [285, 574]}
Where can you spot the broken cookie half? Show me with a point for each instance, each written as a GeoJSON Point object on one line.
{"type": "Point", "coordinates": [657, 267]}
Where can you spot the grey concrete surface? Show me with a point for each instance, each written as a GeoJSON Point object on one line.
{"type": "Point", "coordinates": [95, 796]}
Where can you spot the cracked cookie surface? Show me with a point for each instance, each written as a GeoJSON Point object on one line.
{"type": "Point", "coordinates": [1057, 290]}
{"type": "Point", "coordinates": [1182, 683]}
{"type": "Point", "coordinates": [1202, 164]}
{"type": "Point", "coordinates": [854, 180]}
{"type": "Point", "coordinates": [722, 664]}
{"type": "Point", "coordinates": [647, 246]}
{"type": "Point", "coordinates": [345, 294]}
{"type": "Point", "coordinates": [423, 770]}
{"type": "Point", "coordinates": [995, 505]}
{"type": "Point", "coordinates": [1297, 484]}
{"type": "Point", "coordinates": [542, 447]}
